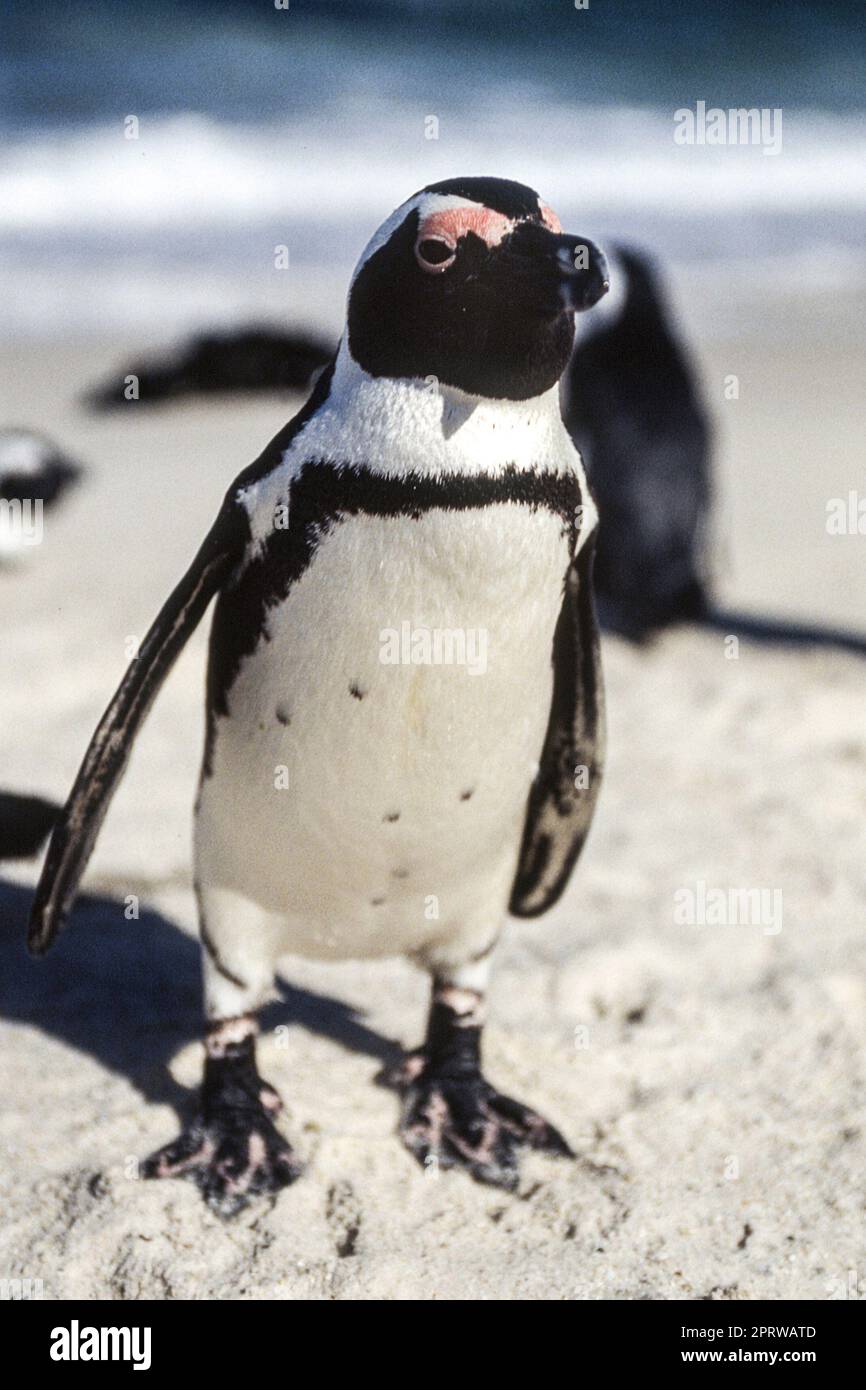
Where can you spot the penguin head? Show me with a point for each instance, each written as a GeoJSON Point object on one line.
{"type": "Point", "coordinates": [473, 282]}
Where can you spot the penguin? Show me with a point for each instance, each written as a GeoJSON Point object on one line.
{"type": "Point", "coordinates": [634, 410]}
{"type": "Point", "coordinates": [405, 728]}
{"type": "Point", "coordinates": [25, 824]}
{"type": "Point", "coordinates": [33, 470]}
{"type": "Point", "coordinates": [245, 359]}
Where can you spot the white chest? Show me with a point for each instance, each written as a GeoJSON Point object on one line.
{"type": "Point", "coordinates": [381, 744]}
{"type": "Point", "coordinates": [383, 737]}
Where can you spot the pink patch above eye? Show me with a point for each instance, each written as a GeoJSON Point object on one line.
{"type": "Point", "coordinates": [549, 218]}
{"type": "Point", "coordinates": [452, 223]}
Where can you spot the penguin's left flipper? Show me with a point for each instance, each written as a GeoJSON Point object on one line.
{"type": "Point", "coordinates": [563, 796]}
{"type": "Point", "coordinates": [105, 760]}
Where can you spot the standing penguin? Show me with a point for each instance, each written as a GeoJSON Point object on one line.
{"type": "Point", "coordinates": [634, 410]}
{"type": "Point", "coordinates": [368, 788]}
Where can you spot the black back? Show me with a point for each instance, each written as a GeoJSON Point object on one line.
{"type": "Point", "coordinates": [633, 410]}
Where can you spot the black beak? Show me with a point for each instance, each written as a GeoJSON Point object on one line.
{"type": "Point", "coordinates": [572, 267]}
{"type": "Point", "coordinates": [584, 275]}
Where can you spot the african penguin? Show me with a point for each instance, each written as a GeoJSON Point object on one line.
{"type": "Point", "coordinates": [34, 473]}
{"type": "Point", "coordinates": [33, 470]}
{"type": "Point", "coordinates": [25, 824]}
{"type": "Point", "coordinates": [243, 359]}
{"type": "Point", "coordinates": [404, 697]}
{"type": "Point", "coordinates": [633, 409]}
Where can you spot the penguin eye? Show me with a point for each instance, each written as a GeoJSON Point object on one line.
{"type": "Point", "coordinates": [435, 254]}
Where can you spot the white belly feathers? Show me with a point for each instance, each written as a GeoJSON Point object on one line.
{"type": "Point", "coordinates": [376, 802]}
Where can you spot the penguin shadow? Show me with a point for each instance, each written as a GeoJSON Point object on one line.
{"type": "Point", "coordinates": [128, 993]}
{"type": "Point", "coordinates": [779, 632]}
{"type": "Point", "coordinates": [764, 630]}
{"type": "Point", "coordinates": [454, 415]}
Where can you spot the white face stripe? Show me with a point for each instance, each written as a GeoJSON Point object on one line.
{"type": "Point", "coordinates": [432, 205]}
{"type": "Point", "coordinates": [426, 204]}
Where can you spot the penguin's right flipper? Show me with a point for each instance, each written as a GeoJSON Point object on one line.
{"type": "Point", "coordinates": [560, 809]}
{"type": "Point", "coordinates": [106, 758]}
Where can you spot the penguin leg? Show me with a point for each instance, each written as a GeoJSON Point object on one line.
{"type": "Point", "coordinates": [232, 1150]}
{"type": "Point", "coordinates": [452, 1116]}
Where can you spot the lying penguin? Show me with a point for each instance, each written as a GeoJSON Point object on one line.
{"type": "Point", "coordinates": [633, 409]}
{"type": "Point", "coordinates": [33, 470]}
{"type": "Point", "coordinates": [357, 801]}
{"type": "Point", "coordinates": [25, 824]}
{"type": "Point", "coordinates": [34, 474]}
{"type": "Point", "coordinates": [243, 359]}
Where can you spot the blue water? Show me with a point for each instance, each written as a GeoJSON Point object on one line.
{"type": "Point", "coordinates": [305, 126]}
{"type": "Point", "coordinates": [83, 61]}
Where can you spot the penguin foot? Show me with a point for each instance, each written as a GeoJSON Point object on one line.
{"type": "Point", "coordinates": [232, 1151]}
{"type": "Point", "coordinates": [232, 1156]}
{"type": "Point", "coordinates": [461, 1121]}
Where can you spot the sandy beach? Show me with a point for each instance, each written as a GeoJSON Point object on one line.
{"type": "Point", "coordinates": [711, 1078]}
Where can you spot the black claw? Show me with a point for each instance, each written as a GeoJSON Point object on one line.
{"type": "Point", "coordinates": [232, 1151]}
{"type": "Point", "coordinates": [231, 1157]}
{"type": "Point", "coordinates": [462, 1121]}
{"type": "Point", "coordinates": [530, 1127]}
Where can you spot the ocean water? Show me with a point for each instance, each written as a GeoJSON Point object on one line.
{"type": "Point", "coordinates": [257, 128]}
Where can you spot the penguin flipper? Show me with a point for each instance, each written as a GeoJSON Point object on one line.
{"type": "Point", "coordinates": [105, 761]}
{"type": "Point", "coordinates": [563, 796]}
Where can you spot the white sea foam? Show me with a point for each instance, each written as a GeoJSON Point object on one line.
{"type": "Point", "coordinates": [191, 171]}
{"type": "Point", "coordinates": [108, 231]}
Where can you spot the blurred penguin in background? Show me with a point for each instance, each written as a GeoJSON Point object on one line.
{"type": "Point", "coordinates": [32, 470]}
{"type": "Point", "coordinates": [34, 474]}
{"type": "Point", "coordinates": [633, 410]}
{"type": "Point", "coordinates": [25, 824]}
